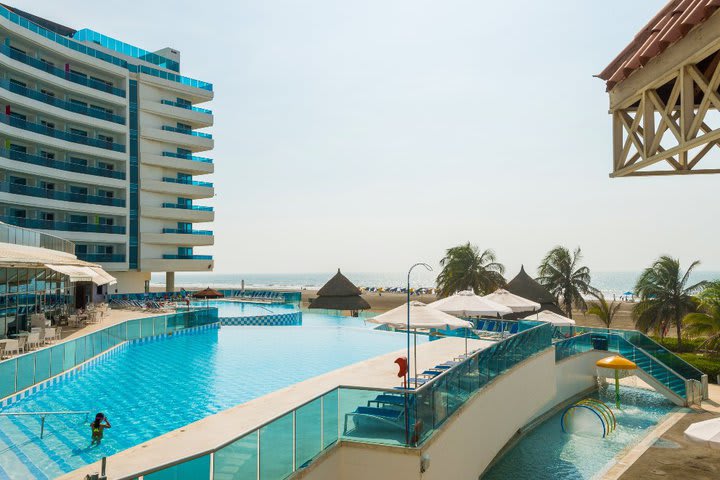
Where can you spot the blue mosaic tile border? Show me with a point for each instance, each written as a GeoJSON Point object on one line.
{"type": "Point", "coordinates": [276, 320]}
{"type": "Point", "coordinates": [73, 372]}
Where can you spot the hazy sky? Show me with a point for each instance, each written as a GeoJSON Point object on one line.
{"type": "Point", "coordinates": [370, 135]}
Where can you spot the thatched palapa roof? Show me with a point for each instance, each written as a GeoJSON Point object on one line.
{"type": "Point", "coordinates": [339, 293]}
{"type": "Point", "coordinates": [525, 286]}
{"type": "Point", "coordinates": [208, 293]}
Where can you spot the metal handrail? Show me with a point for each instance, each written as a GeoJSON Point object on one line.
{"type": "Point", "coordinates": [43, 415]}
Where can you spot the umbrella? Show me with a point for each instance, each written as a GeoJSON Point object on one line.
{"type": "Point", "coordinates": [628, 293]}
{"type": "Point", "coordinates": [421, 317]}
{"type": "Point", "coordinates": [208, 293]}
{"type": "Point", "coordinates": [515, 302]}
{"type": "Point", "coordinates": [707, 432]}
{"type": "Point", "coordinates": [467, 304]}
{"type": "Point", "coordinates": [551, 317]}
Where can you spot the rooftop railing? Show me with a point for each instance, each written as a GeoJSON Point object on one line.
{"type": "Point", "coordinates": [195, 183]}
{"type": "Point", "coordinates": [121, 47]}
{"type": "Point", "coordinates": [187, 207]}
{"type": "Point", "coordinates": [59, 164]}
{"type": "Point", "coordinates": [19, 189]}
{"type": "Point", "coordinates": [56, 102]}
{"type": "Point", "coordinates": [62, 226]}
{"type": "Point", "coordinates": [186, 131]}
{"type": "Point", "coordinates": [187, 157]}
{"type": "Point", "coordinates": [69, 76]}
{"type": "Point", "coordinates": [18, 235]}
{"type": "Point", "coordinates": [82, 48]}
{"type": "Point", "coordinates": [59, 134]}
{"type": "Point", "coordinates": [186, 106]}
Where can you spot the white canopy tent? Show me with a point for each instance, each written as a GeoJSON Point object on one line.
{"type": "Point", "coordinates": [467, 304]}
{"type": "Point", "coordinates": [422, 317]}
{"type": "Point", "coordinates": [79, 273]}
{"type": "Point", "coordinates": [551, 317]}
{"type": "Point", "coordinates": [707, 432]}
{"type": "Point", "coordinates": [514, 302]}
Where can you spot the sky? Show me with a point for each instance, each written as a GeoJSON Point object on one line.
{"type": "Point", "coordinates": [372, 135]}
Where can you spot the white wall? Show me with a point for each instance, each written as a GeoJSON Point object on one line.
{"type": "Point", "coordinates": [129, 282]}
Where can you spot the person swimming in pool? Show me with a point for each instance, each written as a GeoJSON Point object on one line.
{"type": "Point", "coordinates": [98, 426]}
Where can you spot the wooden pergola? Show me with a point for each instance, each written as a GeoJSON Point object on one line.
{"type": "Point", "coordinates": [664, 97]}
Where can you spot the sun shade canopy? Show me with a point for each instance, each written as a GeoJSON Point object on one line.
{"type": "Point", "coordinates": [515, 302]}
{"type": "Point", "coordinates": [77, 273]}
{"type": "Point", "coordinates": [421, 317]}
{"type": "Point", "coordinates": [466, 304]}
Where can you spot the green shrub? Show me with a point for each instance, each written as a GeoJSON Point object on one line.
{"type": "Point", "coordinates": [689, 345]}
{"type": "Point", "coordinates": [709, 364]}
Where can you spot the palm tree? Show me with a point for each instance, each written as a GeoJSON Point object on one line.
{"type": "Point", "coordinates": [464, 267]}
{"type": "Point", "coordinates": [561, 273]}
{"type": "Point", "coordinates": [665, 297]}
{"type": "Point", "coordinates": [606, 312]}
{"type": "Point", "coordinates": [706, 322]}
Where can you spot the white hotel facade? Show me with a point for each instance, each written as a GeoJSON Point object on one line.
{"type": "Point", "coordinates": [99, 144]}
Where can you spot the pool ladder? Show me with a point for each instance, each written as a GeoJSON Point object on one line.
{"type": "Point", "coordinates": [43, 415]}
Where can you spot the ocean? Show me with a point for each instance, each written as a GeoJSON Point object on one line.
{"type": "Point", "coordinates": [610, 283]}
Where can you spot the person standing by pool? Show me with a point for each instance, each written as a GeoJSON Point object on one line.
{"type": "Point", "coordinates": [97, 427]}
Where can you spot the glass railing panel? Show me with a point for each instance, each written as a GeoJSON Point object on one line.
{"type": "Point", "coordinates": [159, 325]}
{"type": "Point", "coordinates": [330, 418]}
{"type": "Point", "coordinates": [196, 469]}
{"type": "Point", "coordinates": [187, 232]}
{"type": "Point", "coordinates": [80, 351]}
{"type": "Point", "coordinates": [187, 157]}
{"type": "Point", "coordinates": [237, 461]}
{"type": "Point", "coordinates": [308, 432]}
{"type": "Point", "coordinates": [375, 416]}
{"type": "Point", "coordinates": [8, 370]}
{"type": "Point", "coordinates": [187, 257]}
{"type": "Point", "coordinates": [97, 342]}
{"type": "Point", "coordinates": [57, 195]}
{"type": "Point", "coordinates": [276, 448]}
{"type": "Point", "coordinates": [186, 106]}
{"type": "Point", "coordinates": [185, 131]}
{"type": "Point", "coordinates": [133, 329]}
{"type": "Point", "coordinates": [195, 183]}
{"type": "Point", "coordinates": [57, 359]}
{"type": "Point", "coordinates": [188, 207]}
{"type": "Point", "coordinates": [63, 226]}
{"type": "Point", "coordinates": [25, 371]}
{"type": "Point", "coordinates": [42, 365]}
{"type": "Point", "coordinates": [146, 327]}
{"type": "Point", "coordinates": [69, 361]}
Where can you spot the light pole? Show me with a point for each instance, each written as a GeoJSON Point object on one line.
{"type": "Point", "coordinates": [429, 269]}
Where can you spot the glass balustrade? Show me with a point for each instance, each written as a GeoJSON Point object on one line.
{"type": "Point", "coordinates": [59, 164]}
{"type": "Point", "coordinates": [56, 195]}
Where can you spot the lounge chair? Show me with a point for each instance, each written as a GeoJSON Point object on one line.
{"type": "Point", "coordinates": [33, 340]}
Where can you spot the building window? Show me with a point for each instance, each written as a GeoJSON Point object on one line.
{"type": "Point", "coordinates": [47, 124]}
{"type": "Point", "coordinates": [47, 185]}
{"type": "Point", "coordinates": [105, 249]}
{"type": "Point", "coordinates": [78, 103]}
{"type": "Point", "coordinates": [102, 109]}
{"type": "Point", "coordinates": [78, 161]}
{"type": "Point", "coordinates": [47, 216]}
{"type": "Point", "coordinates": [106, 166]}
{"type": "Point", "coordinates": [105, 138]}
{"type": "Point", "coordinates": [19, 213]}
{"type": "Point", "coordinates": [78, 219]}
{"type": "Point", "coordinates": [78, 190]}
{"type": "Point", "coordinates": [48, 155]}
{"type": "Point", "coordinates": [18, 180]}
{"type": "Point", "coordinates": [47, 92]}
{"type": "Point", "coordinates": [18, 115]}
{"type": "Point", "coordinates": [106, 193]}
{"type": "Point", "coordinates": [80, 249]}
{"type": "Point", "coordinates": [184, 126]}
{"type": "Point", "coordinates": [77, 131]}
{"type": "Point", "coordinates": [101, 80]}
{"type": "Point", "coordinates": [18, 148]}
{"type": "Point", "coordinates": [106, 221]}
{"type": "Point", "coordinates": [18, 83]}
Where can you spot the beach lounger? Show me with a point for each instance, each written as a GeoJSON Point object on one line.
{"type": "Point", "coordinates": [374, 416]}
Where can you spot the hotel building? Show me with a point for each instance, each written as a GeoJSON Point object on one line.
{"type": "Point", "coordinates": [99, 144]}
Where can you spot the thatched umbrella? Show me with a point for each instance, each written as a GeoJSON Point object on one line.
{"type": "Point", "coordinates": [525, 286]}
{"type": "Point", "coordinates": [339, 293]}
{"type": "Point", "coordinates": [208, 293]}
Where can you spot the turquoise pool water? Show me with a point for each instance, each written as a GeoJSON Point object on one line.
{"type": "Point", "coordinates": [547, 453]}
{"type": "Point", "coordinates": [152, 388]}
{"type": "Point", "coordinates": [245, 309]}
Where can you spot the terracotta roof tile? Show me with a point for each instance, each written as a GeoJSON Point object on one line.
{"type": "Point", "coordinates": [668, 26]}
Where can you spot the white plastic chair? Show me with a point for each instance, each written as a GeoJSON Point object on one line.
{"type": "Point", "coordinates": [33, 340]}
{"type": "Point", "coordinates": [50, 334]}
{"type": "Point", "coordinates": [22, 343]}
{"type": "Point", "coordinates": [12, 347]}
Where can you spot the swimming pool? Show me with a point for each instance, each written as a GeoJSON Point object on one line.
{"type": "Point", "coordinates": [152, 388]}
{"type": "Point", "coordinates": [247, 309]}
{"type": "Point", "coordinates": [546, 453]}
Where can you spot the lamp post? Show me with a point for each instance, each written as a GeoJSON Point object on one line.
{"type": "Point", "coordinates": [429, 269]}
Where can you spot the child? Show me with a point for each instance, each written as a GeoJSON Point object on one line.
{"type": "Point", "coordinates": [97, 428]}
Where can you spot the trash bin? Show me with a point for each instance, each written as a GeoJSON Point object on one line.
{"type": "Point", "coordinates": [599, 342]}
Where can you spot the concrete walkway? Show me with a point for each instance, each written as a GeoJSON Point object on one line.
{"type": "Point", "coordinates": [114, 317]}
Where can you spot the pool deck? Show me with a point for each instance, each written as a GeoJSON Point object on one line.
{"type": "Point", "coordinates": [224, 427]}
{"type": "Point", "coordinates": [114, 317]}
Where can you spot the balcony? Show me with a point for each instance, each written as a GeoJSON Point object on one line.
{"type": "Point", "coordinates": [195, 183]}
{"type": "Point", "coordinates": [72, 77]}
{"type": "Point", "coordinates": [185, 131]}
{"type": "Point", "coordinates": [187, 157]}
{"type": "Point", "coordinates": [101, 257]}
{"type": "Point", "coordinates": [186, 107]}
{"type": "Point", "coordinates": [62, 226]}
{"type": "Point", "coordinates": [59, 134]}
{"type": "Point", "coordinates": [18, 189]}
{"type": "Point", "coordinates": [199, 208]}
{"type": "Point", "coordinates": [55, 102]}
{"type": "Point", "coordinates": [176, 264]}
{"type": "Point", "coordinates": [187, 232]}
{"type": "Point", "coordinates": [187, 257]}
{"type": "Point", "coordinates": [60, 165]}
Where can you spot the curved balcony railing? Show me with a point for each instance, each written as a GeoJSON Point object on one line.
{"type": "Point", "coordinates": [52, 70]}
{"type": "Point", "coordinates": [62, 226]}
{"type": "Point", "coordinates": [56, 195]}
{"type": "Point", "coordinates": [187, 207]}
{"type": "Point", "coordinates": [55, 102]}
{"type": "Point", "coordinates": [60, 165]}
{"type": "Point", "coordinates": [187, 257]}
{"type": "Point", "coordinates": [185, 131]}
{"type": "Point", "coordinates": [187, 232]}
{"type": "Point", "coordinates": [186, 106]}
{"type": "Point", "coordinates": [101, 257]}
{"type": "Point", "coordinates": [59, 134]}
{"type": "Point", "coordinates": [181, 181]}
{"type": "Point", "coordinates": [187, 157]}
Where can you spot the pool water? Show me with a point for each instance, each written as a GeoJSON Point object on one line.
{"type": "Point", "coordinates": [546, 453]}
{"type": "Point", "coordinates": [248, 309]}
{"type": "Point", "coordinates": [152, 388]}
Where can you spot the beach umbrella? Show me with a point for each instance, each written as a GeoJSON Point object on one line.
{"type": "Point", "coordinates": [551, 317]}
{"type": "Point", "coordinates": [515, 302]}
{"type": "Point", "coordinates": [208, 293]}
{"type": "Point", "coordinates": [707, 432]}
{"type": "Point", "coordinates": [339, 293]}
{"type": "Point", "coordinates": [422, 317]}
{"type": "Point", "coordinates": [467, 304]}
{"type": "Point", "coordinates": [628, 293]}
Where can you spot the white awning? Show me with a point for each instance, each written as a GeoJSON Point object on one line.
{"type": "Point", "coordinates": [96, 275]}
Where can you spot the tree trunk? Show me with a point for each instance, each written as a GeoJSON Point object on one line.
{"type": "Point", "coordinates": [678, 326]}
{"type": "Point", "coordinates": [568, 308]}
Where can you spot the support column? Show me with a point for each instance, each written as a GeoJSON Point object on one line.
{"type": "Point", "coordinates": [169, 281]}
